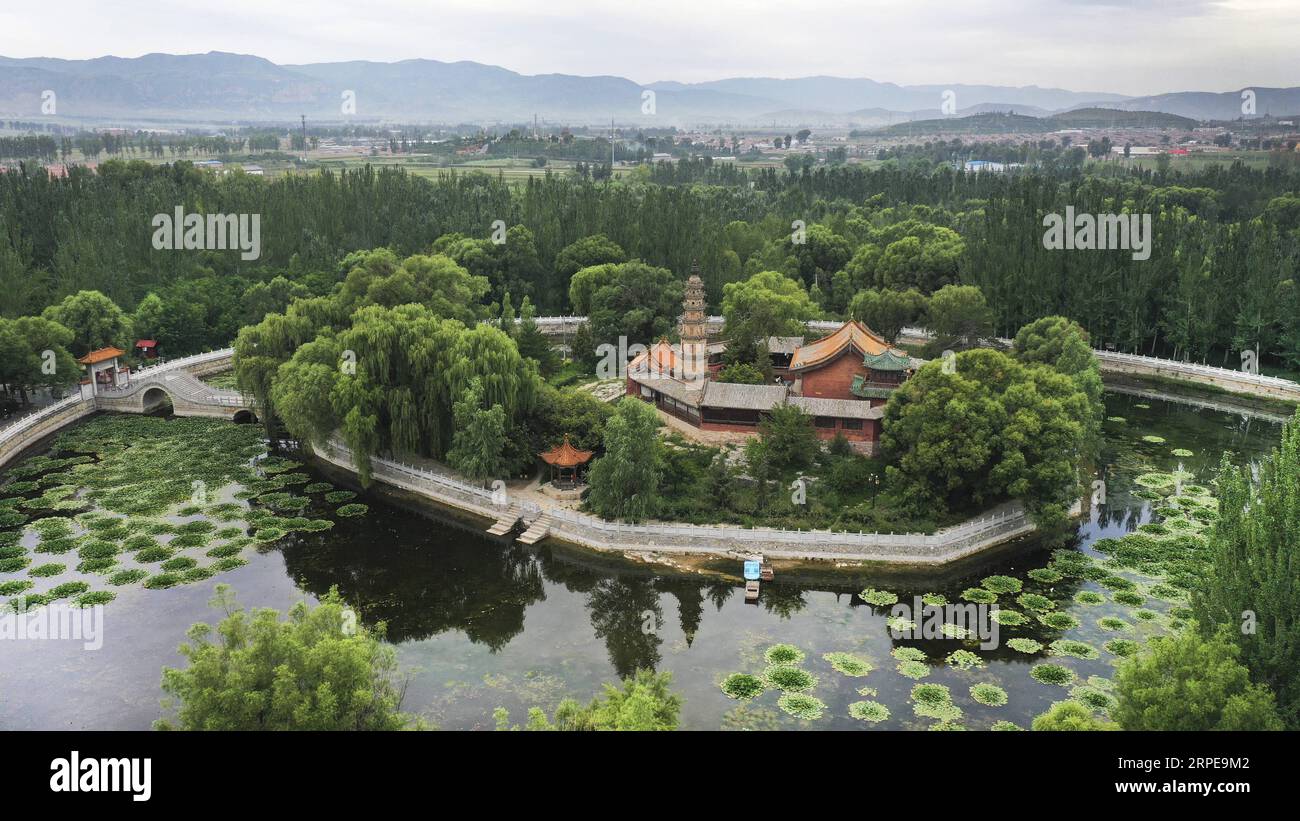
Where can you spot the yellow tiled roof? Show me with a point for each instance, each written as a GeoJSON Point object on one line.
{"type": "Point", "coordinates": [852, 333]}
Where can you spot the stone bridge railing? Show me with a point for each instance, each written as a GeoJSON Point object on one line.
{"type": "Point", "coordinates": [1254, 384]}
{"type": "Point", "coordinates": [1000, 525]}
{"type": "Point", "coordinates": [942, 547]}
{"type": "Point", "coordinates": [34, 427]}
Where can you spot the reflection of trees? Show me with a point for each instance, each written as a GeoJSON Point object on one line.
{"type": "Point", "coordinates": [420, 580]}
{"type": "Point", "coordinates": [719, 592]}
{"type": "Point", "coordinates": [782, 599]}
{"type": "Point", "coordinates": [574, 577]}
{"type": "Point", "coordinates": [620, 607]}
{"type": "Point", "coordinates": [690, 604]}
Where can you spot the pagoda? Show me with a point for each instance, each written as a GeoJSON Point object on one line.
{"type": "Point", "coordinates": [693, 330]}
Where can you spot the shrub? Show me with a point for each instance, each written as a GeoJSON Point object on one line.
{"type": "Point", "coordinates": [1069, 715]}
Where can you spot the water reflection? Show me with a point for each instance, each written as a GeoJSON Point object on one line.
{"type": "Point", "coordinates": [483, 622]}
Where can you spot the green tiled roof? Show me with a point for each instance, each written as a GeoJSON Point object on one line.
{"type": "Point", "coordinates": [861, 388]}
{"type": "Point", "coordinates": [887, 360]}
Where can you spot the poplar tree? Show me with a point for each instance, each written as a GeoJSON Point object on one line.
{"type": "Point", "coordinates": [1254, 565]}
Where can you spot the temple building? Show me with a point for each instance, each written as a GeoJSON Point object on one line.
{"type": "Point", "coordinates": [842, 380]}
{"type": "Point", "coordinates": [103, 371]}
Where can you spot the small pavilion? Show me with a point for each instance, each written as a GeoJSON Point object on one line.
{"type": "Point", "coordinates": [102, 370]}
{"type": "Point", "coordinates": [565, 461]}
{"type": "Point", "coordinates": [147, 349]}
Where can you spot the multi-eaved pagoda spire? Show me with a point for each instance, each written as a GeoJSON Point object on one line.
{"type": "Point", "coordinates": [693, 328]}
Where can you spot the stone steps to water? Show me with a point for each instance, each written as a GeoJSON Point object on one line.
{"type": "Point", "coordinates": [537, 530]}
{"type": "Point", "coordinates": [506, 521]}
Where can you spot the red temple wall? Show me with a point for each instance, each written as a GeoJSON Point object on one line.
{"type": "Point", "coordinates": [833, 380]}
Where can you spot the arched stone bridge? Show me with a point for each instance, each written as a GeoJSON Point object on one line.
{"type": "Point", "coordinates": [177, 381]}
{"type": "Point", "coordinates": [189, 395]}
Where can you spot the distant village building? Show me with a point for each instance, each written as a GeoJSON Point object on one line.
{"type": "Point", "coordinates": [987, 165]}
{"type": "Point", "coordinates": [842, 380]}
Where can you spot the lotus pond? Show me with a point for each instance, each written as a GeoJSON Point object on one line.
{"type": "Point", "coordinates": [147, 514]}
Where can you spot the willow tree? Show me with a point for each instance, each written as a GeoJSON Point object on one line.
{"type": "Point", "coordinates": [436, 281]}
{"type": "Point", "coordinates": [261, 349]}
{"type": "Point", "coordinates": [388, 382]}
{"type": "Point", "coordinates": [480, 437]}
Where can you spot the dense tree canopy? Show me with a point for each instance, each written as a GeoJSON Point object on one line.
{"type": "Point", "coordinates": [1186, 682]}
{"type": "Point", "coordinates": [643, 703]}
{"type": "Point", "coordinates": [317, 670]}
{"type": "Point", "coordinates": [34, 354]}
{"type": "Point", "coordinates": [625, 481]}
{"type": "Point", "coordinates": [991, 429]}
{"type": "Point", "coordinates": [385, 359]}
{"type": "Point", "coordinates": [1221, 277]}
{"type": "Point", "coordinates": [1254, 552]}
{"type": "Point", "coordinates": [95, 321]}
{"type": "Point", "coordinates": [887, 312]}
{"type": "Point", "coordinates": [639, 302]}
{"type": "Point", "coordinates": [959, 317]}
{"type": "Point", "coordinates": [1065, 716]}
{"type": "Point", "coordinates": [767, 304]}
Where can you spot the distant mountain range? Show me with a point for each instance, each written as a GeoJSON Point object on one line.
{"type": "Point", "coordinates": [221, 87]}
{"type": "Point", "coordinates": [1003, 122]}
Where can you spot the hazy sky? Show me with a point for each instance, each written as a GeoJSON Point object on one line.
{"type": "Point", "coordinates": [1125, 46]}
